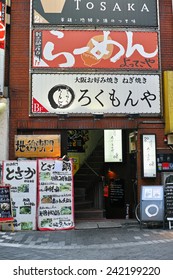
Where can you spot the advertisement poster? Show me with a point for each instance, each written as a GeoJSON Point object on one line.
{"type": "Point", "coordinates": [95, 13]}
{"type": "Point", "coordinates": [90, 49]}
{"type": "Point", "coordinates": [55, 194]}
{"type": "Point", "coordinates": [79, 93]}
{"type": "Point", "coordinates": [22, 177]}
{"type": "Point", "coordinates": [2, 44]}
{"type": "Point", "coordinates": [5, 203]}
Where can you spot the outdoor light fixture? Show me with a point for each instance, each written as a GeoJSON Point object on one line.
{"type": "Point", "coordinates": [98, 116]}
{"type": "Point", "coordinates": [62, 116]}
{"type": "Point", "coordinates": [132, 116]}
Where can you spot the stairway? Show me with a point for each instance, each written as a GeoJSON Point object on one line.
{"type": "Point", "coordinates": [88, 188]}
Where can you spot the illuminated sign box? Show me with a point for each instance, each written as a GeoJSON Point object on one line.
{"type": "Point", "coordinates": [95, 12]}
{"type": "Point", "coordinates": [113, 145]}
{"type": "Point", "coordinates": [95, 49]}
{"type": "Point", "coordinates": [79, 93]}
{"type": "Point", "coordinates": [35, 146]}
{"type": "Point", "coordinates": [149, 155]}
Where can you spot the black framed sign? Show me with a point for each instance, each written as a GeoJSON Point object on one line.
{"type": "Point", "coordinates": [5, 203]}
{"type": "Point", "coordinates": [149, 165]}
{"type": "Point", "coordinates": [141, 13]}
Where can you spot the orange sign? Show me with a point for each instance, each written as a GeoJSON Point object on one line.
{"type": "Point", "coordinates": [37, 146]}
{"type": "Point", "coordinates": [95, 49]}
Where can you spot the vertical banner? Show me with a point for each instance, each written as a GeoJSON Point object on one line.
{"type": "Point", "coordinates": [55, 194]}
{"type": "Point", "coordinates": [2, 45]}
{"type": "Point", "coordinates": [22, 177]}
{"type": "Point", "coordinates": [113, 145]}
{"type": "Point", "coordinates": [149, 155]}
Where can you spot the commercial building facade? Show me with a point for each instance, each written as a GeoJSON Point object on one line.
{"type": "Point", "coordinates": [95, 77]}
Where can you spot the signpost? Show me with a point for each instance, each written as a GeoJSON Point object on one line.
{"type": "Point", "coordinates": [152, 204]}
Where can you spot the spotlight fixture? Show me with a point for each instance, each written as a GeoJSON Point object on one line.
{"type": "Point", "coordinates": [62, 116]}
{"type": "Point", "coordinates": [98, 116]}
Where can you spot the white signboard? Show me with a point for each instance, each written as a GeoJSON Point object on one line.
{"type": "Point", "coordinates": [55, 195]}
{"type": "Point", "coordinates": [22, 177]}
{"type": "Point", "coordinates": [113, 145]}
{"type": "Point", "coordinates": [95, 93]}
{"type": "Point", "coordinates": [152, 193]}
{"type": "Point", "coordinates": [149, 155]}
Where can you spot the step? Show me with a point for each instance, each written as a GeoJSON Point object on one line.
{"type": "Point", "coordinates": [79, 191]}
{"type": "Point", "coordinates": [90, 213]}
{"type": "Point", "coordinates": [78, 205]}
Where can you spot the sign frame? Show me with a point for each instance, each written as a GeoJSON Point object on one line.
{"type": "Point", "coordinates": [6, 205]}
{"type": "Point", "coordinates": [148, 142]}
{"type": "Point", "coordinates": [44, 88]}
{"type": "Point", "coordinates": [92, 13]}
{"type": "Point", "coordinates": [95, 49]}
{"type": "Point", "coordinates": [37, 146]}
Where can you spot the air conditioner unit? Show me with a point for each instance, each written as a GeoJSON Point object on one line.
{"type": "Point", "coordinates": [170, 139]}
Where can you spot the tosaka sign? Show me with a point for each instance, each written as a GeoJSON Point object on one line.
{"type": "Point", "coordinates": [95, 12]}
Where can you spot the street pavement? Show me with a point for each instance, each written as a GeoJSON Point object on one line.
{"type": "Point", "coordinates": [90, 240]}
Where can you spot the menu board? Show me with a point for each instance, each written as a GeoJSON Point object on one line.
{"type": "Point", "coordinates": [55, 194]}
{"type": "Point", "coordinates": [5, 203]}
{"type": "Point", "coordinates": [116, 192]}
{"type": "Point", "coordinates": [22, 177]}
{"type": "Point", "coordinates": [169, 200]}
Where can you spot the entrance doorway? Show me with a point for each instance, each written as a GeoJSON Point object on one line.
{"type": "Point", "coordinates": [93, 176]}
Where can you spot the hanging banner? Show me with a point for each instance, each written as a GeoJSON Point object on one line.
{"type": "Point", "coordinates": [63, 93]}
{"type": "Point", "coordinates": [22, 177]}
{"type": "Point", "coordinates": [113, 151]}
{"type": "Point", "coordinates": [149, 167]}
{"type": "Point", "coordinates": [2, 45]}
{"type": "Point", "coordinates": [55, 195]}
{"type": "Point", "coordinates": [95, 49]}
{"type": "Point", "coordinates": [37, 146]}
{"type": "Point", "coordinates": [95, 12]}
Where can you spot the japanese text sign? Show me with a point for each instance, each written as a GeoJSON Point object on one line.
{"type": "Point", "coordinates": [22, 177]}
{"type": "Point", "coordinates": [95, 49]}
{"type": "Point", "coordinates": [36, 146]}
{"type": "Point", "coordinates": [149, 155]}
{"type": "Point", "coordinates": [95, 12]}
{"type": "Point", "coordinates": [95, 93]}
{"type": "Point", "coordinates": [113, 145]}
{"type": "Point", "coordinates": [55, 195]}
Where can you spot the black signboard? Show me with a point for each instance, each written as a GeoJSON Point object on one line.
{"type": "Point", "coordinates": [5, 203]}
{"type": "Point", "coordinates": [169, 200]}
{"type": "Point", "coordinates": [116, 192]}
{"type": "Point", "coordinates": [141, 13]}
